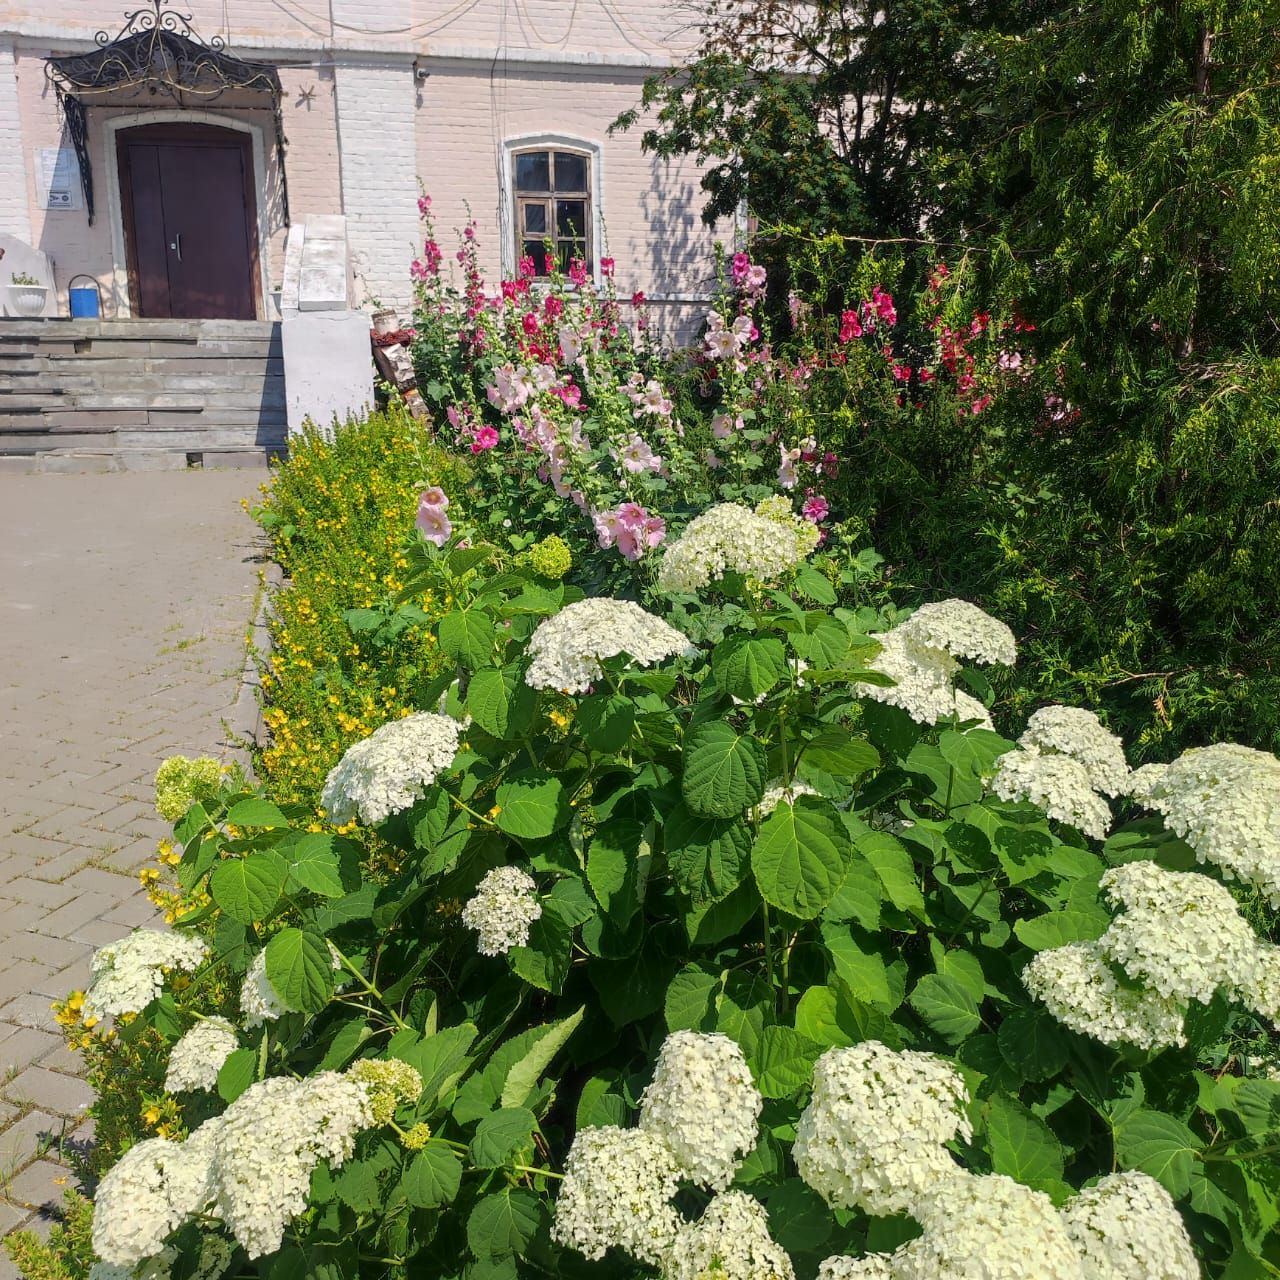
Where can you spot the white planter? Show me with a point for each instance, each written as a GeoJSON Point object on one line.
{"type": "Point", "coordinates": [386, 321]}
{"type": "Point", "coordinates": [27, 299]}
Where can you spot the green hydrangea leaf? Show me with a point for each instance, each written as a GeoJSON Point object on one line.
{"type": "Point", "coordinates": [724, 772]}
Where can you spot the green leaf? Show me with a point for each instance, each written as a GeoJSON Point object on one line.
{"type": "Point", "coordinates": [894, 866]}
{"type": "Point", "coordinates": [501, 1135]}
{"type": "Point", "coordinates": [256, 812]}
{"type": "Point", "coordinates": [1159, 1145]}
{"type": "Point", "coordinates": [524, 1074]}
{"type": "Point", "coordinates": [801, 856]}
{"type": "Point", "coordinates": [605, 721]}
{"type": "Point", "coordinates": [500, 702]}
{"type": "Point", "coordinates": [315, 866]}
{"type": "Point", "coordinates": [688, 1006]}
{"type": "Point", "coordinates": [356, 1185]}
{"type": "Point", "coordinates": [237, 1073]}
{"type": "Point", "coordinates": [1033, 1044]}
{"type": "Point", "coordinates": [503, 1224]}
{"type": "Point", "coordinates": [858, 897]}
{"type": "Point", "coordinates": [947, 1006]}
{"type": "Point", "coordinates": [707, 856]}
{"type": "Point", "coordinates": [544, 961]}
{"type": "Point", "coordinates": [531, 805]}
{"type": "Point", "coordinates": [1041, 933]}
{"type": "Point", "coordinates": [724, 773]}
{"type": "Point", "coordinates": [433, 1178]}
{"type": "Point", "coordinates": [837, 752]}
{"type": "Point", "coordinates": [862, 971]}
{"type": "Point", "coordinates": [300, 969]}
{"type": "Point", "coordinates": [467, 637]}
{"type": "Point", "coordinates": [813, 584]}
{"type": "Point", "coordinates": [747, 667]}
{"type": "Point", "coordinates": [1022, 1145]}
{"type": "Point", "coordinates": [248, 888]}
{"type": "Point", "coordinates": [783, 1062]}
{"type": "Point", "coordinates": [616, 864]}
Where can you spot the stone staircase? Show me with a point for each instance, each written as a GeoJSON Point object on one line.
{"type": "Point", "coordinates": [112, 394]}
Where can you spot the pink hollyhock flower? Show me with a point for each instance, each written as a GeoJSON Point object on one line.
{"type": "Point", "coordinates": [607, 525]}
{"type": "Point", "coordinates": [631, 515]}
{"type": "Point", "coordinates": [484, 438]}
{"type": "Point", "coordinates": [638, 298]}
{"type": "Point", "coordinates": [721, 426]}
{"type": "Point", "coordinates": [636, 456]}
{"type": "Point", "coordinates": [469, 231]}
{"type": "Point", "coordinates": [850, 326]}
{"type": "Point", "coordinates": [606, 268]}
{"type": "Point", "coordinates": [739, 266]}
{"type": "Point", "coordinates": [713, 460]}
{"type": "Point", "coordinates": [630, 543]}
{"type": "Point", "coordinates": [434, 524]}
{"type": "Point", "coordinates": [434, 496]}
{"type": "Point", "coordinates": [787, 476]}
{"type": "Point", "coordinates": [578, 271]}
{"type": "Point", "coordinates": [654, 530]}
{"type": "Point", "coordinates": [815, 508]}
{"type": "Point", "coordinates": [424, 206]}
{"type": "Point", "coordinates": [417, 271]}
{"type": "Point", "coordinates": [755, 280]}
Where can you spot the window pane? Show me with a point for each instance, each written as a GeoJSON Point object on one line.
{"type": "Point", "coordinates": [533, 171]}
{"type": "Point", "coordinates": [571, 172]}
{"type": "Point", "coordinates": [535, 219]}
{"type": "Point", "coordinates": [536, 250]}
{"type": "Point", "coordinates": [567, 250]}
{"type": "Point", "coordinates": [571, 219]}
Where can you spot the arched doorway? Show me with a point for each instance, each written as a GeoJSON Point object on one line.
{"type": "Point", "coordinates": [190, 221]}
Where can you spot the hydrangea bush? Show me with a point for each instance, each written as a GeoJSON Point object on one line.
{"type": "Point", "coordinates": [730, 944]}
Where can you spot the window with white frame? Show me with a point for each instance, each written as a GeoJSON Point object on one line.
{"type": "Point", "coordinates": [551, 186]}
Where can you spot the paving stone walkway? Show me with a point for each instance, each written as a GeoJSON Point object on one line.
{"type": "Point", "coordinates": [124, 602]}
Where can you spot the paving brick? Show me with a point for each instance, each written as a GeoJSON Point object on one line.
{"type": "Point", "coordinates": [35, 1134]}
{"type": "Point", "coordinates": [41, 1185]}
{"type": "Point", "coordinates": [63, 1094]}
{"type": "Point", "coordinates": [26, 1046]}
{"type": "Point", "coordinates": [28, 1011]}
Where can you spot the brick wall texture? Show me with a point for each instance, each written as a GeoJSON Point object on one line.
{"type": "Point", "coordinates": [379, 94]}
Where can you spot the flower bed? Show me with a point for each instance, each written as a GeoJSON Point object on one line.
{"type": "Point", "coordinates": [714, 930]}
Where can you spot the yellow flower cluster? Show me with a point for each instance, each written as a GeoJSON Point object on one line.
{"type": "Point", "coordinates": [80, 1030]}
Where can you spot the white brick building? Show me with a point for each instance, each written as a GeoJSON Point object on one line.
{"type": "Point", "coordinates": [500, 107]}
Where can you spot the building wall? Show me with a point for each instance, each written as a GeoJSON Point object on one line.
{"type": "Point", "coordinates": [377, 94]}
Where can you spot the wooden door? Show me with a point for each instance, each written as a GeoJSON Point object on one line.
{"type": "Point", "coordinates": [190, 221]}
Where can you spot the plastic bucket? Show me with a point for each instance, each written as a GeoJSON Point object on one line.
{"type": "Point", "coordinates": [84, 302]}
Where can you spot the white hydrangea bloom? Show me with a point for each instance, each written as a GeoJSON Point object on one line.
{"type": "Point", "coordinates": [389, 770]}
{"type": "Point", "coordinates": [969, 708]}
{"type": "Point", "coordinates": [194, 1062]}
{"type": "Point", "coordinates": [1055, 783]}
{"type": "Point", "coordinates": [704, 1104]}
{"type": "Point", "coordinates": [1180, 933]}
{"type": "Point", "coordinates": [922, 676]}
{"type": "Point", "coordinates": [875, 1266]}
{"type": "Point", "coordinates": [990, 1227]}
{"type": "Point", "coordinates": [258, 1000]}
{"type": "Point", "coordinates": [731, 1241]}
{"type": "Point", "coordinates": [270, 1140]}
{"type": "Point", "coordinates": [567, 649]}
{"type": "Point", "coordinates": [129, 974]}
{"type": "Point", "coordinates": [1126, 1227]}
{"type": "Point", "coordinates": [728, 537]}
{"type": "Point", "coordinates": [1224, 801]}
{"type": "Point", "coordinates": [1075, 983]}
{"type": "Point", "coordinates": [774, 795]}
{"type": "Point", "coordinates": [502, 910]}
{"type": "Point", "coordinates": [1262, 994]}
{"type": "Point", "coordinates": [147, 1194]}
{"type": "Point", "coordinates": [875, 1131]}
{"type": "Point", "coordinates": [1075, 732]}
{"type": "Point", "coordinates": [964, 631]}
{"type": "Point", "coordinates": [617, 1191]}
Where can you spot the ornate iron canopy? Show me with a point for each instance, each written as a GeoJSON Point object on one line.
{"type": "Point", "coordinates": [159, 50]}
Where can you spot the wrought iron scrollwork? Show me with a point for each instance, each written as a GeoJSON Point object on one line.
{"type": "Point", "coordinates": [159, 49]}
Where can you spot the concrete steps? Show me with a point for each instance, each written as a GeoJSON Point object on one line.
{"type": "Point", "coordinates": [161, 390]}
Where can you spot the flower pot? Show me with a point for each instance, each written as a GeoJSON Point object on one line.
{"type": "Point", "coordinates": [385, 322]}
{"type": "Point", "coordinates": [27, 299]}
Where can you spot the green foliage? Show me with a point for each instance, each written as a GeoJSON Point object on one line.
{"type": "Point", "coordinates": [67, 1254]}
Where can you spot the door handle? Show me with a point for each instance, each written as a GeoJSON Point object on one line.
{"type": "Point", "coordinates": [177, 245]}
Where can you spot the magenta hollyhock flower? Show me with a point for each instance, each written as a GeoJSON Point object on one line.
{"type": "Point", "coordinates": [850, 326]}
{"type": "Point", "coordinates": [739, 266]}
{"type": "Point", "coordinates": [484, 438]}
{"type": "Point", "coordinates": [815, 508]}
{"type": "Point", "coordinates": [424, 206]}
{"type": "Point", "coordinates": [434, 524]}
{"type": "Point", "coordinates": [529, 323]}
{"type": "Point", "coordinates": [606, 268]}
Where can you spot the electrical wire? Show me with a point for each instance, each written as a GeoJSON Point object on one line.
{"type": "Point", "coordinates": [428, 26]}
{"type": "Point", "coordinates": [527, 21]}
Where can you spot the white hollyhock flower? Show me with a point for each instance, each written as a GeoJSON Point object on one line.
{"type": "Point", "coordinates": [1126, 1227]}
{"type": "Point", "coordinates": [990, 1227]}
{"type": "Point", "coordinates": [567, 649]}
{"type": "Point", "coordinates": [502, 910]}
{"type": "Point", "coordinates": [1075, 983]}
{"type": "Point", "coordinates": [1075, 732]}
{"type": "Point", "coordinates": [728, 538]}
{"type": "Point", "coordinates": [1224, 801]}
{"type": "Point", "coordinates": [704, 1104]}
{"type": "Point", "coordinates": [731, 1241]}
{"type": "Point", "coordinates": [258, 1000]}
{"type": "Point", "coordinates": [875, 1131]}
{"type": "Point", "coordinates": [390, 770]}
{"type": "Point", "coordinates": [1057, 784]}
{"type": "Point", "coordinates": [129, 974]}
{"type": "Point", "coordinates": [617, 1192]}
{"type": "Point", "coordinates": [196, 1059]}
{"type": "Point", "coordinates": [964, 631]}
{"type": "Point", "coordinates": [1179, 932]}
